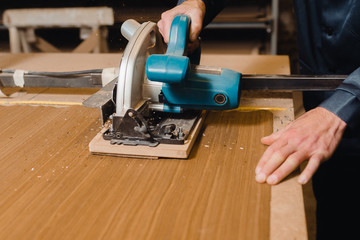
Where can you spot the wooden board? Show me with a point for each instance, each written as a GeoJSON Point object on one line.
{"type": "Point", "coordinates": [287, 214]}
{"type": "Point", "coordinates": [51, 187]}
{"type": "Point", "coordinates": [102, 147]}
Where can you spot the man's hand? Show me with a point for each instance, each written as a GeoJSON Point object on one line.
{"type": "Point", "coordinates": [314, 137]}
{"type": "Point", "coordinates": [195, 9]}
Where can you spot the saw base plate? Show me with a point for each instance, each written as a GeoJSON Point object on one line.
{"type": "Point", "coordinates": [103, 147]}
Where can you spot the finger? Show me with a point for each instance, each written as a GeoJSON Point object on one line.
{"type": "Point", "coordinates": [268, 140]}
{"type": "Point", "coordinates": [162, 29]}
{"type": "Point", "coordinates": [311, 167]}
{"type": "Point", "coordinates": [289, 165]}
{"type": "Point", "coordinates": [195, 28]}
{"type": "Point", "coordinates": [166, 31]}
{"type": "Point", "coordinates": [275, 160]}
{"type": "Point", "coordinates": [268, 153]}
{"type": "Point", "coordinates": [160, 25]}
{"type": "Point", "coordinates": [193, 46]}
{"type": "Point", "coordinates": [165, 23]}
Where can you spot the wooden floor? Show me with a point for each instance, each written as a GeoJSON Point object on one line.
{"type": "Point", "coordinates": [51, 187]}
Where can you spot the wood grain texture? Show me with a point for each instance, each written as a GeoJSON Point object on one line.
{"type": "Point", "coordinates": [51, 187]}
{"type": "Point", "coordinates": [287, 215]}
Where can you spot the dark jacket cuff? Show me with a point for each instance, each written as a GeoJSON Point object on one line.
{"type": "Point", "coordinates": [213, 8]}
{"type": "Point", "coordinates": [345, 102]}
{"type": "Point", "coordinates": [345, 105]}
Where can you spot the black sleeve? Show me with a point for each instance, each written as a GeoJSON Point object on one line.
{"type": "Point", "coordinates": [345, 102]}
{"type": "Point", "coordinates": [213, 7]}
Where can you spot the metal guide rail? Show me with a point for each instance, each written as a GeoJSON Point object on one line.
{"type": "Point", "coordinates": [93, 79]}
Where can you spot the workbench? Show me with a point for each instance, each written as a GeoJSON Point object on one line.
{"type": "Point", "coordinates": [51, 187]}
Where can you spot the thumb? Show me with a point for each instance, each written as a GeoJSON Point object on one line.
{"type": "Point", "coordinates": [164, 29]}
{"type": "Point", "coordinates": [268, 140]}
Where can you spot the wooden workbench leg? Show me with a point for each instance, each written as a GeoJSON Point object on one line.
{"type": "Point", "coordinates": [90, 44]}
{"type": "Point", "coordinates": [98, 37]}
{"type": "Point", "coordinates": [24, 43]}
{"type": "Point", "coordinates": [104, 33]}
{"type": "Point", "coordinates": [15, 44]}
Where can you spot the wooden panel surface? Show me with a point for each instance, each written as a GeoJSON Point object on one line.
{"type": "Point", "coordinates": [51, 187]}
{"type": "Point", "coordinates": [287, 215]}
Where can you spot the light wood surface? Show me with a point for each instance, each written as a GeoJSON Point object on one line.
{"type": "Point", "coordinates": [287, 212]}
{"type": "Point", "coordinates": [53, 188]}
{"type": "Point", "coordinates": [287, 218]}
{"type": "Point", "coordinates": [59, 62]}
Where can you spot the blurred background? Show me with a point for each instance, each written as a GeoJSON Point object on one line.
{"type": "Point", "coordinates": [243, 27]}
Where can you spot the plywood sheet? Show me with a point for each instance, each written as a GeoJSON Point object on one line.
{"type": "Point", "coordinates": [287, 215]}
{"type": "Point", "coordinates": [103, 147]}
{"type": "Point", "coordinates": [51, 187]}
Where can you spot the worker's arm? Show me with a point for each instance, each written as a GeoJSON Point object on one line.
{"type": "Point", "coordinates": [314, 136]}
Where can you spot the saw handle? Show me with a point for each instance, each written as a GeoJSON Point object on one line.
{"type": "Point", "coordinates": [174, 65]}
{"type": "Point", "coordinates": [179, 36]}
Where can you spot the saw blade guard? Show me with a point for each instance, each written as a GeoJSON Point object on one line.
{"type": "Point", "coordinates": [133, 88]}
{"type": "Point", "coordinates": [187, 86]}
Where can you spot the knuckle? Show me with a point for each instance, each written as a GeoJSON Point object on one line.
{"type": "Point", "coordinates": [164, 15]}
{"type": "Point", "coordinates": [324, 147]}
{"type": "Point", "coordinates": [196, 27]}
{"type": "Point", "coordinates": [316, 160]}
{"type": "Point", "coordinates": [295, 141]}
{"type": "Point", "coordinates": [279, 174]}
{"type": "Point", "coordinates": [271, 150]}
{"type": "Point", "coordinates": [292, 132]}
{"type": "Point", "coordinates": [321, 155]}
{"type": "Point", "coordinates": [197, 5]}
{"type": "Point", "coordinates": [280, 153]}
{"type": "Point", "coordinates": [293, 161]}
